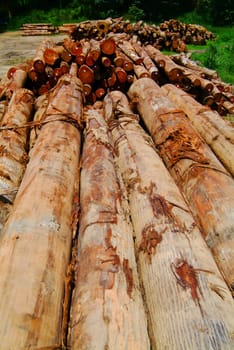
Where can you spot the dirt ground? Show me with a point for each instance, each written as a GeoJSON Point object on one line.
{"type": "Point", "coordinates": [15, 48]}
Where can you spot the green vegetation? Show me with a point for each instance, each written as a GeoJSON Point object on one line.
{"type": "Point", "coordinates": [218, 54]}
{"type": "Point", "coordinates": [215, 12]}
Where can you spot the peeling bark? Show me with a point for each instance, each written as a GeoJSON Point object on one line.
{"type": "Point", "coordinates": [205, 183]}
{"type": "Point", "coordinates": [13, 149]}
{"type": "Point", "coordinates": [166, 232]}
{"type": "Point", "coordinates": [35, 246]}
{"type": "Point", "coordinates": [107, 309]}
{"type": "Point", "coordinates": [214, 130]}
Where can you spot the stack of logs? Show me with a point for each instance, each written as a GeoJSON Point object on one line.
{"type": "Point", "coordinates": [28, 29]}
{"type": "Point", "coordinates": [117, 215]}
{"type": "Point", "coordinates": [113, 63]}
{"type": "Point", "coordinates": [170, 35]}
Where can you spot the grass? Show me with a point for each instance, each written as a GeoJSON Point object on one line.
{"type": "Point", "coordinates": [218, 54]}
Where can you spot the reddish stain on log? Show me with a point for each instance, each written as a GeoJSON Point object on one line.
{"type": "Point", "coordinates": [187, 278]}
{"type": "Point", "coordinates": [160, 205]}
{"type": "Point", "coordinates": [108, 238]}
{"type": "Point", "coordinates": [150, 239]}
{"type": "Point", "coordinates": [109, 266]}
{"type": "Point", "coordinates": [129, 276]}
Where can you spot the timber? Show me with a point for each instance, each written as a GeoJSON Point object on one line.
{"type": "Point", "coordinates": [161, 219]}
{"type": "Point", "coordinates": [13, 149]}
{"type": "Point", "coordinates": [205, 183]}
{"type": "Point", "coordinates": [214, 130]}
{"type": "Point", "coordinates": [41, 228]}
{"type": "Point", "coordinates": [107, 308]}
{"type": "Point", "coordinates": [144, 259]}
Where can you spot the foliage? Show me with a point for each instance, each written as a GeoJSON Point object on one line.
{"type": "Point", "coordinates": [135, 13]}
{"type": "Point", "coordinates": [219, 55]}
{"type": "Point", "coordinates": [53, 16]}
{"type": "Point", "coordinates": [211, 11]}
{"type": "Point", "coordinates": [216, 12]}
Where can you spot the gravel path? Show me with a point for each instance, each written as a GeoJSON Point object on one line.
{"type": "Point", "coordinates": [15, 48]}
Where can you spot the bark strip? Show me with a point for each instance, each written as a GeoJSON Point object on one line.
{"type": "Point", "coordinates": [214, 130]}
{"type": "Point", "coordinates": [13, 149]}
{"type": "Point", "coordinates": [107, 309]}
{"type": "Point", "coordinates": [35, 246]}
{"type": "Point", "coordinates": [206, 185]}
{"type": "Point", "coordinates": [176, 267]}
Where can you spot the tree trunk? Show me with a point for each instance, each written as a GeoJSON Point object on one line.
{"type": "Point", "coordinates": [107, 309]}
{"type": "Point", "coordinates": [172, 70]}
{"type": "Point", "coordinates": [16, 81]}
{"type": "Point", "coordinates": [178, 272]}
{"type": "Point", "coordinates": [36, 243]}
{"type": "Point", "coordinates": [41, 104]}
{"type": "Point", "coordinates": [13, 142]}
{"type": "Point", "coordinates": [207, 186]}
{"type": "Point", "coordinates": [214, 130]}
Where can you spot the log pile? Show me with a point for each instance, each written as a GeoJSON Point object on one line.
{"type": "Point", "coordinates": [114, 62]}
{"type": "Point", "coordinates": [170, 35]}
{"type": "Point", "coordinates": [29, 29]}
{"type": "Point", "coordinates": [116, 200]}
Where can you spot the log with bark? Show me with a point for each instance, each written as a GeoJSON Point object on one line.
{"type": "Point", "coordinates": [172, 70]}
{"type": "Point", "coordinates": [13, 149]}
{"type": "Point", "coordinates": [180, 278]}
{"type": "Point", "coordinates": [107, 308]}
{"type": "Point", "coordinates": [207, 186]}
{"type": "Point", "coordinates": [14, 79]}
{"type": "Point", "coordinates": [35, 246]}
{"type": "Point", "coordinates": [40, 107]}
{"type": "Point", "coordinates": [184, 60]}
{"type": "Point", "coordinates": [163, 36]}
{"type": "Point", "coordinates": [213, 129]}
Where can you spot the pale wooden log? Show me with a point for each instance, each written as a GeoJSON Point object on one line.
{"type": "Point", "coordinates": [36, 243]}
{"type": "Point", "coordinates": [103, 26]}
{"type": "Point", "coordinates": [214, 130]}
{"type": "Point", "coordinates": [185, 61]}
{"type": "Point", "coordinates": [129, 51]}
{"type": "Point", "coordinates": [172, 70]}
{"type": "Point", "coordinates": [206, 184]}
{"type": "Point", "coordinates": [148, 62]}
{"type": "Point", "coordinates": [107, 308]}
{"type": "Point", "coordinates": [13, 147]}
{"type": "Point", "coordinates": [229, 106]}
{"type": "Point", "coordinates": [167, 239]}
{"type": "Point", "coordinates": [38, 60]}
{"type": "Point", "coordinates": [17, 80]}
{"type": "Point", "coordinates": [41, 104]}
{"type": "Point", "coordinates": [140, 71]}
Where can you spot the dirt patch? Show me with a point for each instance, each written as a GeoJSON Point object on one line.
{"type": "Point", "coordinates": [15, 48]}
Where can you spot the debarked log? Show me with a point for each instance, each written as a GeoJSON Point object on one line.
{"type": "Point", "coordinates": [213, 128]}
{"type": "Point", "coordinates": [13, 148]}
{"type": "Point", "coordinates": [16, 81]}
{"type": "Point", "coordinates": [207, 186]}
{"type": "Point", "coordinates": [107, 309]}
{"type": "Point", "coordinates": [36, 243]}
{"type": "Point", "coordinates": [180, 278]}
